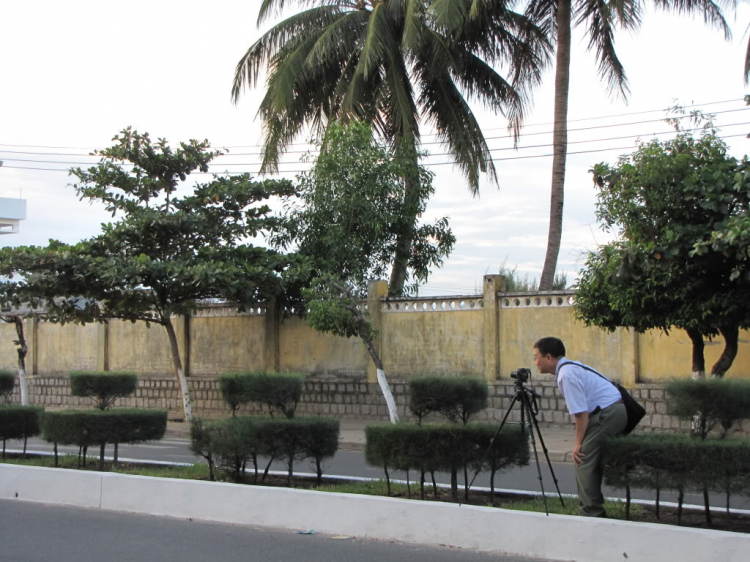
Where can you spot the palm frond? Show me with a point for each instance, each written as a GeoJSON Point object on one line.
{"type": "Point", "coordinates": [449, 15]}
{"type": "Point", "coordinates": [543, 13]}
{"type": "Point", "coordinates": [747, 62]}
{"type": "Point", "coordinates": [414, 20]}
{"type": "Point", "coordinates": [711, 12]}
{"type": "Point", "coordinates": [268, 46]}
{"type": "Point", "coordinates": [378, 39]}
{"type": "Point", "coordinates": [401, 113]}
{"type": "Point", "coordinates": [627, 13]}
{"type": "Point", "coordinates": [597, 17]}
{"type": "Point", "coordinates": [269, 8]}
{"type": "Point", "coordinates": [446, 108]}
{"type": "Point", "coordinates": [343, 36]}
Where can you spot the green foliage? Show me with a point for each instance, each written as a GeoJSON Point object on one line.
{"type": "Point", "coordinates": [20, 422]}
{"type": "Point", "coordinates": [455, 398]}
{"type": "Point", "coordinates": [445, 447]}
{"type": "Point", "coordinates": [233, 391]}
{"type": "Point", "coordinates": [7, 383]}
{"type": "Point", "coordinates": [278, 391]}
{"type": "Point", "coordinates": [677, 462]}
{"type": "Point", "coordinates": [713, 401]}
{"type": "Point", "coordinates": [166, 252]}
{"type": "Point", "coordinates": [515, 283]}
{"type": "Point", "coordinates": [665, 201]}
{"type": "Point", "coordinates": [348, 217]}
{"type": "Point", "coordinates": [368, 60]}
{"type": "Point", "coordinates": [85, 428]}
{"type": "Point", "coordinates": [104, 388]}
{"type": "Point", "coordinates": [230, 443]}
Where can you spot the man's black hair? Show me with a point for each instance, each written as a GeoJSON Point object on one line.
{"type": "Point", "coordinates": [553, 346]}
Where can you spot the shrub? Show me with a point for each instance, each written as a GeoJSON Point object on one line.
{"type": "Point", "coordinates": [455, 398]}
{"type": "Point", "coordinates": [104, 388]}
{"type": "Point", "coordinates": [85, 428]}
{"type": "Point", "coordinates": [233, 390]}
{"type": "Point", "coordinates": [234, 441]}
{"type": "Point", "coordinates": [19, 422]}
{"type": "Point", "coordinates": [278, 391]}
{"type": "Point", "coordinates": [7, 383]}
{"type": "Point", "coordinates": [230, 443]}
{"type": "Point", "coordinates": [710, 401]}
{"type": "Point", "coordinates": [321, 441]}
{"type": "Point", "coordinates": [448, 447]}
{"type": "Point", "coordinates": [677, 462]}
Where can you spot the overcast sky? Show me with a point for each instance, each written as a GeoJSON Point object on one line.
{"type": "Point", "coordinates": [74, 73]}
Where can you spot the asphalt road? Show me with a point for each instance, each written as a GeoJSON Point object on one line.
{"type": "Point", "coordinates": [33, 532]}
{"type": "Point", "coordinates": [352, 463]}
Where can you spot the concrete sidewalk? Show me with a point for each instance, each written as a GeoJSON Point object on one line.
{"type": "Point", "coordinates": [559, 442]}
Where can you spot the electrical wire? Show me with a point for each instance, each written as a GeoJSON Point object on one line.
{"type": "Point", "coordinates": [426, 164]}
{"type": "Point", "coordinates": [432, 134]}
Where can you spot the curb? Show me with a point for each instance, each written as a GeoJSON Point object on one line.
{"type": "Point", "coordinates": [555, 537]}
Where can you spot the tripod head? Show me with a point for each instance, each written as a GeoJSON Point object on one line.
{"type": "Point", "coordinates": [522, 376]}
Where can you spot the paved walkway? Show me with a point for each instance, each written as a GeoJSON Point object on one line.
{"type": "Point", "coordinates": [559, 442]}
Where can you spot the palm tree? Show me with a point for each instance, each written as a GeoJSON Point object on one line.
{"type": "Point", "coordinates": [387, 62]}
{"type": "Point", "coordinates": [599, 18]}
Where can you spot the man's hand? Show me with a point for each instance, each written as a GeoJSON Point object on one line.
{"type": "Point", "coordinates": [577, 454]}
{"type": "Point", "coordinates": [582, 424]}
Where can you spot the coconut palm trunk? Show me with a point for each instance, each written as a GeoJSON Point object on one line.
{"type": "Point", "coordinates": [560, 145]}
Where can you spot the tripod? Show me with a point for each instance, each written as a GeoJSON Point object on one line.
{"type": "Point", "coordinates": [526, 398]}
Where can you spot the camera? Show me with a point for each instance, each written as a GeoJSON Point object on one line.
{"type": "Point", "coordinates": [521, 375]}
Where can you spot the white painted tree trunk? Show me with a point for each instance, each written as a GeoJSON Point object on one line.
{"type": "Point", "coordinates": [185, 391]}
{"type": "Point", "coordinates": [23, 384]}
{"type": "Point", "coordinates": [390, 402]}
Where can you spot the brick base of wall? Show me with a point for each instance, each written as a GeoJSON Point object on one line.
{"type": "Point", "coordinates": [348, 397]}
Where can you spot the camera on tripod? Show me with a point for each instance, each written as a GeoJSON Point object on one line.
{"type": "Point", "coordinates": [521, 375]}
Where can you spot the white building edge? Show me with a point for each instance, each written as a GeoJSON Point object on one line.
{"type": "Point", "coordinates": [12, 212]}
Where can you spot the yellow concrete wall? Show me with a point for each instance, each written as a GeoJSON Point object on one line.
{"type": "Point", "coordinates": [433, 342]}
{"type": "Point", "coordinates": [520, 327]}
{"type": "Point", "coordinates": [663, 357]}
{"type": "Point", "coordinates": [67, 348]}
{"type": "Point", "coordinates": [421, 336]}
{"type": "Point", "coordinates": [8, 355]}
{"type": "Point", "coordinates": [135, 348]}
{"type": "Point", "coordinates": [227, 344]}
{"type": "Point", "coordinates": [303, 349]}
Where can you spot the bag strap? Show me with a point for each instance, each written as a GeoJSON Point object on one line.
{"type": "Point", "coordinates": [587, 368]}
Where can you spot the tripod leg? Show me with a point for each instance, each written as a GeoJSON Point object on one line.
{"type": "Point", "coordinates": [527, 406]}
{"type": "Point", "coordinates": [546, 456]}
{"type": "Point", "coordinates": [502, 423]}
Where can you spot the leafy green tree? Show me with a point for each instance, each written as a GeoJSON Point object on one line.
{"type": "Point", "coordinates": [343, 223]}
{"type": "Point", "coordinates": [389, 64]}
{"type": "Point", "coordinates": [165, 253]}
{"type": "Point", "coordinates": [672, 203]}
{"type": "Point", "coordinates": [556, 18]}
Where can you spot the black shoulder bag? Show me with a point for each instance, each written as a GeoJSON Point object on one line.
{"type": "Point", "coordinates": [635, 411]}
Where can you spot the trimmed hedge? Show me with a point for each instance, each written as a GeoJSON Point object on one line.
{"type": "Point", "coordinates": [455, 398]}
{"type": "Point", "coordinates": [678, 462]}
{"type": "Point", "coordinates": [20, 422]}
{"type": "Point", "coordinates": [230, 443]}
{"type": "Point", "coordinates": [7, 383]}
{"type": "Point", "coordinates": [278, 391]}
{"type": "Point", "coordinates": [445, 447]}
{"type": "Point", "coordinates": [102, 387]}
{"type": "Point", "coordinates": [233, 391]}
{"type": "Point", "coordinates": [101, 427]}
{"type": "Point", "coordinates": [709, 401]}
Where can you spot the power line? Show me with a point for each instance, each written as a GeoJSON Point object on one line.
{"type": "Point", "coordinates": [425, 135]}
{"type": "Point", "coordinates": [426, 164]}
{"type": "Point", "coordinates": [607, 139]}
